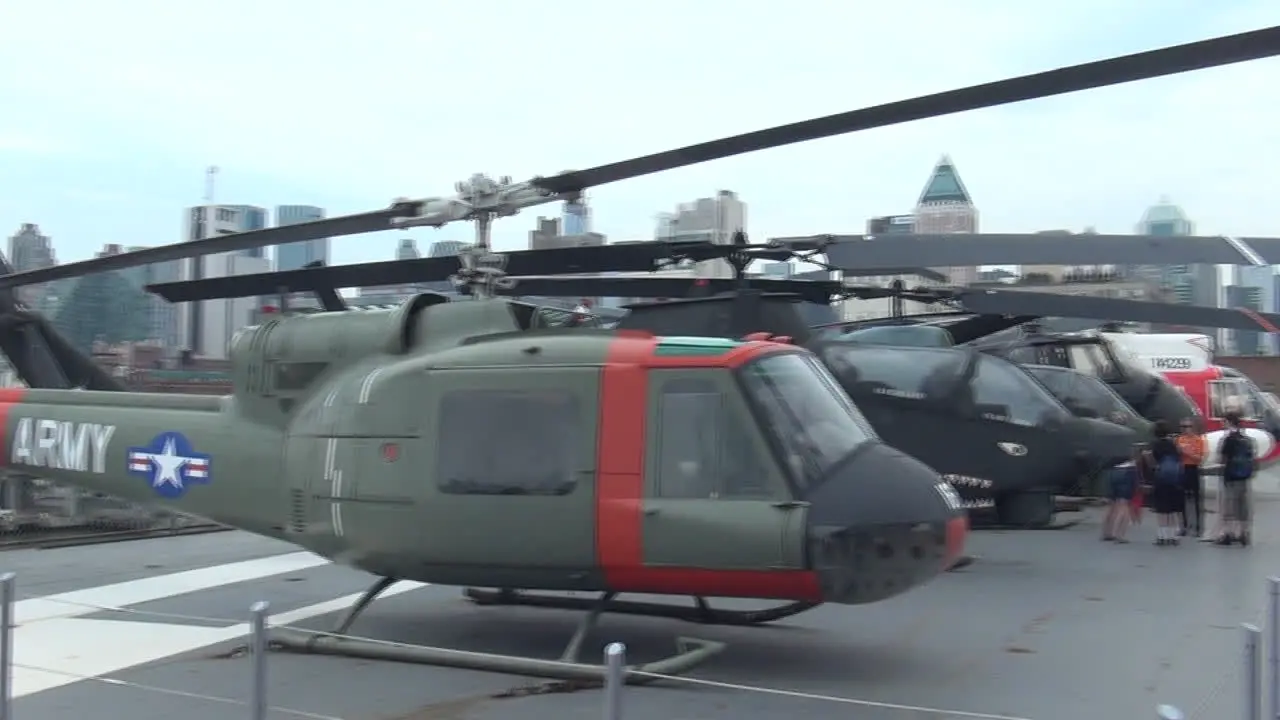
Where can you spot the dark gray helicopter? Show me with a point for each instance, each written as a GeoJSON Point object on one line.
{"type": "Point", "coordinates": [1022, 338]}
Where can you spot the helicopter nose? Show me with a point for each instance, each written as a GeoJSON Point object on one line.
{"type": "Point", "coordinates": [1102, 444]}
{"type": "Point", "coordinates": [881, 524]}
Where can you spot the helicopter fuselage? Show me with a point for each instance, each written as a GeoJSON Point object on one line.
{"type": "Point", "coordinates": [564, 461]}
{"type": "Point", "coordinates": [1001, 438]}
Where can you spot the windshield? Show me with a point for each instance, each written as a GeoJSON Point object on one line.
{"type": "Point", "coordinates": [1079, 391]}
{"type": "Point", "coordinates": [815, 424]}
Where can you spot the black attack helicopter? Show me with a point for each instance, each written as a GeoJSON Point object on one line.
{"type": "Point", "coordinates": [855, 520]}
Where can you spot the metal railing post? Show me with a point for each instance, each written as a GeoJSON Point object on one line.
{"type": "Point", "coordinates": [615, 677]}
{"type": "Point", "coordinates": [1252, 672]}
{"type": "Point", "coordinates": [258, 693]}
{"type": "Point", "coordinates": [1273, 641]}
{"type": "Point", "coordinates": [6, 645]}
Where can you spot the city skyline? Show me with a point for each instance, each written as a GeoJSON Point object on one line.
{"type": "Point", "coordinates": [111, 165]}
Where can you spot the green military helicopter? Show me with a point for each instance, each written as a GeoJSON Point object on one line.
{"type": "Point", "coordinates": [482, 444]}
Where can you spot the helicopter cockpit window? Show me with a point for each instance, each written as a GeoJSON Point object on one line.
{"type": "Point", "coordinates": [1005, 392]}
{"type": "Point", "coordinates": [813, 421]}
{"type": "Point", "coordinates": [1108, 368]}
{"type": "Point", "coordinates": [1095, 360]}
{"type": "Point", "coordinates": [1084, 395]}
{"type": "Point", "coordinates": [900, 372]}
{"type": "Point", "coordinates": [1233, 394]}
{"type": "Point", "coordinates": [508, 442]}
{"type": "Point", "coordinates": [1025, 355]}
{"type": "Point", "coordinates": [704, 449]}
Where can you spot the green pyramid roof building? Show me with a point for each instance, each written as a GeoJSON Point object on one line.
{"type": "Point", "coordinates": [944, 186]}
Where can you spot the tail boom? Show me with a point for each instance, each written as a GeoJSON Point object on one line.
{"type": "Point", "coordinates": [188, 452]}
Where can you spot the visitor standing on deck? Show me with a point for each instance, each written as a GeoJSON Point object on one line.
{"type": "Point", "coordinates": [1123, 490]}
{"type": "Point", "coordinates": [1166, 484]}
{"type": "Point", "coordinates": [1238, 466]}
{"type": "Point", "coordinates": [1193, 447]}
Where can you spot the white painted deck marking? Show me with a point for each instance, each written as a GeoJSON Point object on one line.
{"type": "Point", "coordinates": [52, 636]}
{"type": "Point", "coordinates": [159, 587]}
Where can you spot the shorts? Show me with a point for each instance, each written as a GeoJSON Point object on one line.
{"type": "Point", "coordinates": [1122, 482]}
{"type": "Point", "coordinates": [1167, 499]}
{"type": "Point", "coordinates": [1235, 501]}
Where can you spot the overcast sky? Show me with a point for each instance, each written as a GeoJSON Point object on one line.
{"type": "Point", "coordinates": [111, 111]}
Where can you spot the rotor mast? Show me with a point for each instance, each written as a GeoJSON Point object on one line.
{"type": "Point", "coordinates": [481, 199]}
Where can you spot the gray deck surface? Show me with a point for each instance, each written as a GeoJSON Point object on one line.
{"type": "Point", "coordinates": [1048, 625]}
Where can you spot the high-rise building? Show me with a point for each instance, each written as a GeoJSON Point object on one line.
{"type": "Point", "coordinates": [442, 248]}
{"type": "Point", "coordinates": [205, 327]}
{"type": "Point", "coordinates": [576, 218]}
{"type": "Point", "coordinates": [549, 234]}
{"type": "Point", "coordinates": [1182, 284]}
{"type": "Point", "coordinates": [30, 249]}
{"type": "Point", "coordinates": [299, 254]}
{"type": "Point", "coordinates": [891, 225]}
{"type": "Point", "coordinates": [109, 307]}
{"type": "Point", "coordinates": [162, 315]}
{"type": "Point", "coordinates": [711, 219]}
{"type": "Point", "coordinates": [446, 248]}
{"type": "Point", "coordinates": [776, 270]}
{"type": "Point", "coordinates": [406, 249]}
{"type": "Point", "coordinates": [945, 207]}
{"type": "Point", "coordinates": [1253, 288]}
{"type": "Point", "coordinates": [250, 217]}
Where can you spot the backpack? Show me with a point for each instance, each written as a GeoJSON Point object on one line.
{"type": "Point", "coordinates": [1169, 471]}
{"type": "Point", "coordinates": [1240, 465]}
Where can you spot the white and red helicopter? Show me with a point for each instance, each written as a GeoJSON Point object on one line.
{"type": "Point", "coordinates": [1186, 360]}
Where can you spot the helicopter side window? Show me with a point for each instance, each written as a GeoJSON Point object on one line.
{"type": "Point", "coordinates": [704, 449]}
{"type": "Point", "coordinates": [1005, 393]}
{"type": "Point", "coordinates": [507, 442]}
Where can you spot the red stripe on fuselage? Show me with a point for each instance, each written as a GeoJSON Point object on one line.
{"type": "Point", "coordinates": [624, 401]}
{"type": "Point", "coordinates": [9, 398]}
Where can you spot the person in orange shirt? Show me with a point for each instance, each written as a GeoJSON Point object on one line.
{"type": "Point", "coordinates": [1193, 447]}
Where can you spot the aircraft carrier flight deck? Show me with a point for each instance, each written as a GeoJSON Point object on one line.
{"type": "Point", "coordinates": [1046, 625]}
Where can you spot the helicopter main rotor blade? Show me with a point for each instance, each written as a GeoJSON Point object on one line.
{"type": "Point", "coordinates": [1200, 55]}
{"type": "Point", "coordinates": [630, 257]}
{"type": "Point", "coordinates": [330, 227]}
{"type": "Point", "coordinates": [815, 291]}
{"type": "Point", "coordinates": [867, 253]}
{"type": "Point", "coordinates": [1018, 302]}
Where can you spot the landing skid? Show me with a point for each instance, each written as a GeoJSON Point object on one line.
{"type": "Point", "coordinates": [690, 652]}
{"type": "Point", "coordinates": [701, 612]}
